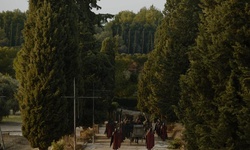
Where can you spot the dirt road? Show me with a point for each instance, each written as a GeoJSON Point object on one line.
{"type": "Point", "coordinates": [12, 137]}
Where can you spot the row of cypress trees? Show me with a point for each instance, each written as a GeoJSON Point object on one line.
{"type": "Point", "coordinates": [135, 29]}
{"type": "Point", "coordinates": [198, 72]}
{"type": "Point", "coordinates": [218, 78]}
{"type": "Point", "coordinates": [11, 26]}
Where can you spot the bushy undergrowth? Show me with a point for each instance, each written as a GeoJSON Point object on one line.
{"type": "Point", "coordinates": [67, 142]}
{"type": "Point", "coordinates": [175, 144]}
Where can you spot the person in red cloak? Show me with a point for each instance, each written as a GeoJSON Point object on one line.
{"type": "Point", "coordinates": [150, 139]}
{"type": "Point", "coordinates": [116, 139]}
{"type": "Point", "coordinates": [164, 135]}
{"type": "Point", "coordinates": [109, 129]}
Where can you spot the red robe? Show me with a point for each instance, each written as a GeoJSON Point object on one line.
{"type": "Point", "coordinates": [164, 132]}
{"type": "Point", "coordinates": [116, 140]}
{"type": "Point", "coordinates": [150, 140]}
{"type": "Point", "coordinates": [109, 129]}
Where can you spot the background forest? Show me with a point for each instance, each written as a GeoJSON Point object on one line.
{"type": "Point", "coordinates": [187, 64]}
{"type": "Point", "coordinates": [133, 35]}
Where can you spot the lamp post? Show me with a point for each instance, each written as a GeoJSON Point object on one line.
{"type": "Point", "coordinates": [74, 97]}
{"type": "Point", "coordinates": [74, 113]}
{"type": "Point", "coordinates": [93, 137]}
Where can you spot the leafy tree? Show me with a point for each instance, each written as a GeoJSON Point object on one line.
{"type": "Point", "coordinates": [127, 69]}
{"type": "Point", "coordinates": [3, 38]}
{"type": "Point", "coordinates": [108, 48]}
{"type": "Point", "coordinates": [99, 82]}
{"type": "Point", "coordinates": [102, 33]}
{"type": "Point", "coordinates": [4, 111]}
{"type": "Point", "coordinates": [7, 56]}
{"type": "Point", "coordinates": [136, 30]}
{"type": "Point", "coordinates": [174, 36]}
{"type": "Point", "coordinates": [150, 16]}
{"type": "Point", "coordinates": [8, 88]}
{"type": "Point", "coordinates": [42, 69]}
{"type": "Point", "coordinates": [12, 22]}
{"type": "Point", "coordinates": [215, 88]}
{"type": "Point", "coordinates": [93, 64]}
{"type": "Point", "coordinates": [146, 79]}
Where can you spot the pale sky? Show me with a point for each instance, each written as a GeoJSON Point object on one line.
{"type": "Point", "coordinates": [108, 6]}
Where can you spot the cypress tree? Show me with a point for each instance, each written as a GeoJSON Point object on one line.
{"type": "Point", "coordinates": [108, 49]}
{"type": "Point", "coordinates": [41, 66]}
{"type": "Point", "coordinates": [230, 68]}
{"type": "Point", "coordinates": [215, 87]}
{"type": "Point", "coordinates": [147, 79]}
{"type": "Point", "coordinates": [175, 35]}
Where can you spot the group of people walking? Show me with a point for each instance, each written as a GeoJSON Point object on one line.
{"type": "Point", "coordinates": [161, 130]}
{"type": "Point", "coordinates": [118, 132]}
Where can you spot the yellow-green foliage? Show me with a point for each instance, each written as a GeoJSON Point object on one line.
{"type": "Point", "coordinates": [58, 145]}
{"type": "Point", "coordinates": [175, 144]}
{"type": "Point", "coordinates": [86, 134]}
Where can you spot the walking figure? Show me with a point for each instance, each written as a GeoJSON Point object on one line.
{"type": "Point", "coordinates": [163, 132]}
{"type": "Point", "coordinates": [116, 139]}
{"type": "Point", "coordinates": [150, 139]}
{"type": "Point", "coordinates": [110, 126]}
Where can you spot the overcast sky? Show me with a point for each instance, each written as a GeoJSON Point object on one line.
{"type": "Point", "coordinates": [108, 6]}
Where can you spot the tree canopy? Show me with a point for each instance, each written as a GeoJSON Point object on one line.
{"type": "Point", "coordinates": [7, 56]}
{"type": "Point", "coordinates": [136, 30]}
{"type": "Point", "coordinates": [12, 24]}
{"type": "Point", "coordinates": [8, 88]}
{"type": "Point", "coordinates": [214, 96]}
{"type": "Point", "coordinates": [43, 68]}
{"type": "Point", "coordinates": [159, 82]}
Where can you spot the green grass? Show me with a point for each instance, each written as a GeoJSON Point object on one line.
{"type": "Point", "coordinates": [12, 118]}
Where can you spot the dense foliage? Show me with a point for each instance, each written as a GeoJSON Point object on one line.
{"type": "Point", "coordinates": [98, 83]}
{"type": "Point", "coordinates": [46, 62]}
{"type": "Point", "coordinates": [194, 65]}
{"type": "Point", "coordinates": [11, 26]}
{"type": "Point", "coordinates": [159, 82]}
{"type": "Point", "coordinates": [7, 55]}
{"type": "Point", "coordinates": [8, 88]}
{"type": "Point", "coordinates": [95, 66]}
{"type": "Point", "coordinates": [127, 70]}
{"type": "Point", "coordinates": [214, 105]}
{"type": "Point", "coordinates": [136, 30]}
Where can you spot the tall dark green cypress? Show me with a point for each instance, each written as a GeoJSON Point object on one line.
{"type": "Point", "coordinates": [174, 36]}
{"type": "Point", "coordinates": [108, 49]}
{"type": "Point", "coordinates": [214, 89]}
{"type": "Point", "coordinates": [146, 101]}
{"type": "Point", "coordinates": [42, 69]}
{"type": "Point", "coordinates": [242, 56]}
{"type": "Point", "coordinates": [230, 49]}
